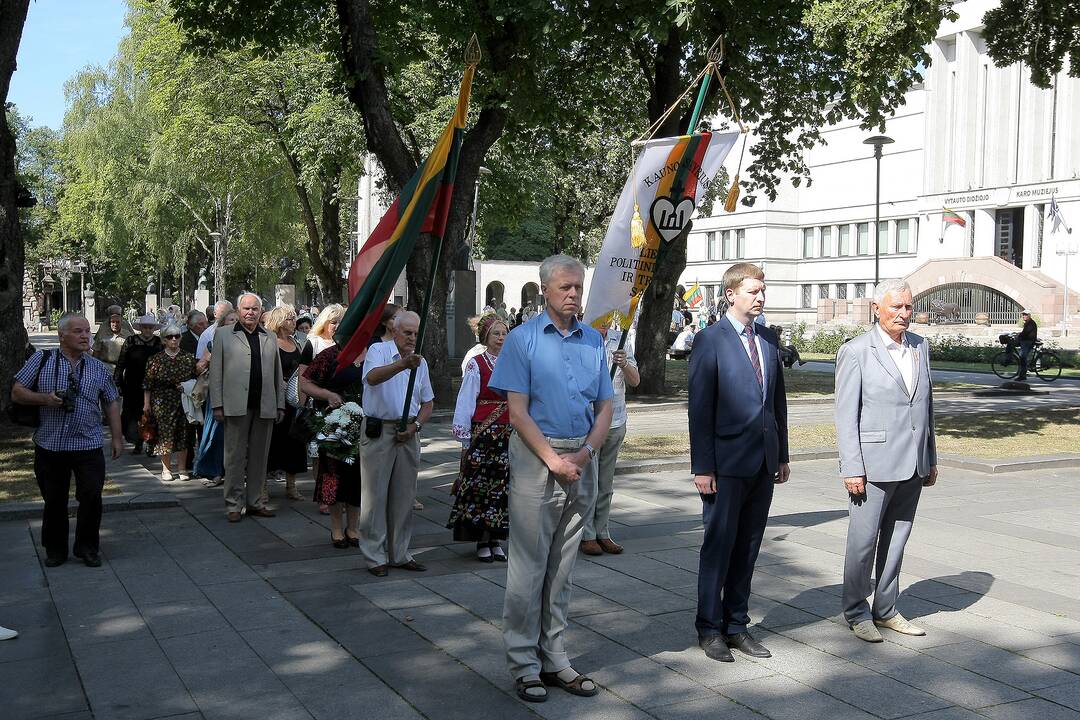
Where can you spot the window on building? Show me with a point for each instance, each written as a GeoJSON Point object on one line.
{"type": "Point", "coordinates": [863, 241]}
{"type": "Point", "coordinates": [843, 246]}
{"type": "Point", "coordinates": [823, 291]}
{"type": "Point", "coordinates": [825, 240]}
{"type": "Point", "coordinates": [808, 242]}
{"type": "Point", "coordinates": [710, 246]}
{"type": "Point", "coordinates": [883, 237]}
{"type": "Point", "coordinates": [807, 295]}
{"type": "Point", "coordinates": [1040, 210]}
{"type": "Point", "coordinates": [903, 236]}
{"type": "Point", "coordinates": [729, 251]}
{"type": "Point", "coordinates": [841, 291]}
{"type": "Point", "coordinates": [860, 290]}
{"type": "Point", "coordinates": [740, 244]}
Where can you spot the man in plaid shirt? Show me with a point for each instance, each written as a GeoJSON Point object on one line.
{"type": "Point", "coordinates": [71, 387]}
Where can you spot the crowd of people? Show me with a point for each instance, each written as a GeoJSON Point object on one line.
{"type": "Point", "coordinates": [540, 416]}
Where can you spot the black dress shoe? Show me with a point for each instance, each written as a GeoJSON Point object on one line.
{"type": "Point", "coordinates": [716, 649]}
{"type": "Point", "coordinates": [54, 560]}
{"type": "Point", "coordinates": [378, 570]}
{"type": "Point", "coordinates": [745, 643]}
{"type": "Point", "coordinates": [91, 558]}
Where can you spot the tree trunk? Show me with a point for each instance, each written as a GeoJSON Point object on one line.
{"type": "Point", "coordinates": [655, 319]}
{"type": "Point", "coordinates": [331, 279]}
{"type": "Point", "coordinates": [13, 334]}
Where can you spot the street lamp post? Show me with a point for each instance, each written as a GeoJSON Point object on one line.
{"type": "Point", "coordinates": [877, 141]}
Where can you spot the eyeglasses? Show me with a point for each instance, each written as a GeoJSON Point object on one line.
{"type": "Point", "coordinates": [172, 337]}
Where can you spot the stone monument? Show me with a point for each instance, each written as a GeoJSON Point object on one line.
{"type": "Point", "coordinates": [151, 299]}
{"type": "Point", "coordinates": [202, 295]}
{"type": "Point", "coordinates": [285, 290]}
{"type": "Point", "coordinates": [89, 305]}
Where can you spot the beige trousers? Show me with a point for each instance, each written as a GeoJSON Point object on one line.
{"type": "Point", "coordinates": [247, 442]}
{"type": "Point", "coordinates": [388, 472]}
{"type": "Point", "coordinates": [546, 523]}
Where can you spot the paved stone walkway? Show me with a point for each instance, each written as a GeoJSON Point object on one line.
{"type": "Point", "coordinates": [194, 618]}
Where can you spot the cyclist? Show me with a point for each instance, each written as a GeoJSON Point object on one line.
{"type": "Point", "coordinates": [1026, 340]}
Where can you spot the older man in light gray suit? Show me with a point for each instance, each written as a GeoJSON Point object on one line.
{"type": "Point", "coordinates": [885, 435]}
{"type": "Point", "coordinates": [247, 394]}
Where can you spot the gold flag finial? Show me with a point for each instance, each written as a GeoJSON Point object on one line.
{"type": "Point", "coordinates": [716, 52]}
{"type": "Point", "coordinates": [472, 51]}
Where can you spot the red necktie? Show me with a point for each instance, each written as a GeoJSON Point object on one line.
{"type": "Point", "coordinates": [754, 359]}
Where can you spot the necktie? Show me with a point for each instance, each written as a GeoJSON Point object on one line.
{"type": "Point", "coordinates": [755, 360]}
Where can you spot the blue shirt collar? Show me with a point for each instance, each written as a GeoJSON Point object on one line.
{"type": "Point", "coordinates": [575, 326]}
{"type": "Point", "coordinates": [739, 327]}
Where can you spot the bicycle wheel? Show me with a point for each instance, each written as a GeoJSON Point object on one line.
{"type": "Point", "coordinates": [1048, 367]}
{"type": "Point", "coordinates": [1005, 364]}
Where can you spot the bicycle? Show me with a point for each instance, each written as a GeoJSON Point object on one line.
{"type": "Point", "coordinates": [1044, 363]}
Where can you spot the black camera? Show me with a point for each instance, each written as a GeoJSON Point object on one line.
{"type": "Point", "coordinates": [68, 398]}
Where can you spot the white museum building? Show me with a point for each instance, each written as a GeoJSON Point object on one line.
{"type": "Point", "coordinates": [976, 139]}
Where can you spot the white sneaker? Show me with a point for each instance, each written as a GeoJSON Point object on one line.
{"type": "Point", "coordinates": [8, 633]}
{"type": "Point", "coordinates": [166, 476]}
{"type": "Point", "coordinates": [417, 505]}
{"type": "Point", "coordinates": [866, 631]}
{"type": "Point", "coordinates": [183, 475]}
{"type": "Point", "coordinates": [898, 623]}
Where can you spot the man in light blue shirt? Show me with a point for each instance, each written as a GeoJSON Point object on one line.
{"type": "Point", "coordinates": [553, 372]}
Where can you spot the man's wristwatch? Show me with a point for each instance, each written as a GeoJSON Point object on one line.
{"type": "Point", "coordinates": [419, 425]}
{"type": "Point", "coordinates": [589, 449]}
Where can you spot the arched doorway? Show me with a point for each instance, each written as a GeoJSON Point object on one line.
{"type": "Point", "coordinates": [529, 292]}
{"type": "Point", "coordinates": [961, 302]}
{"type": "Point", "coordinates": [493, 295]}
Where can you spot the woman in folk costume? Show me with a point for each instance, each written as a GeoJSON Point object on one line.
{"type": "Point", "coordinates": [482, 425]}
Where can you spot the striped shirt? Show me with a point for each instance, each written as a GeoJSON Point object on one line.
{"type": "Point", "coordinates": [79, 429]}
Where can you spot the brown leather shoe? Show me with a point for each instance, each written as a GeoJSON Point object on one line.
{"type": "Point", "coordinates": [412, 565]}
{"type": "Point", "coordinates": [591, 547]}
{"type": "Point", "coordinates": [260, 512]}
{"type": "Point", "coordinates": [609, 546]}
{"type": "Point", "coordinates": [233, 516]}
{"type": "Point", "coordinates": [378, 570]}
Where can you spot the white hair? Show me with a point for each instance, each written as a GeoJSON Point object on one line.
{"type": "Point", "coordinates": [66, 319]}
{"type": "Point", "coordinates": [885, 287]}
{"type": "Point", "coordinates": [171, 329]}
{"type": "Point", "coordinates": [396, 320]}
{"type": "Point", "coordinates": [222, 306]}
{"type": "Point", "coordinates": [243, 295]}
{"type": "Point", "coordinates": [559, 262]}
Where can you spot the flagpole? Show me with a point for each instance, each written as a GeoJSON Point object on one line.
{"type": "Point", "coordinates": [472, 59]}
{"type": "Point", "coordinates": [698, 104]}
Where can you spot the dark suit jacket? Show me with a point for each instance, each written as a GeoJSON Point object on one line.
{"type": "Point", "coordinates": [189, 342]}
{"type": "Point", "coordinates": [731, 431]}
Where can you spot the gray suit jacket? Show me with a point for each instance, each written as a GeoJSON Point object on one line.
{"type": "Point", "coordinates": [230, 365]}
{"type": "Point", "coordinates": [882, 432]}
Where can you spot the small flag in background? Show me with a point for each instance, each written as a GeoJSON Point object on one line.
{"type": "Point", "coordinates": [1057, 222]}
{"type": "Point", "coordinates": [694, 296]}
{"type": "Point", "coordinates": [950, 216]}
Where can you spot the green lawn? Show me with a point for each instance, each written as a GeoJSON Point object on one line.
{"type": "Point", "coordinates": [17, 481]}
{"type": "Point", "coordinates": [992, 435]}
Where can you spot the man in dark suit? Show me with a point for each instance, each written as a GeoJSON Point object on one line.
{"type": "Point", "coordinates": [738, 451]}
{"type": "Point", "coordinates": [194, 324]}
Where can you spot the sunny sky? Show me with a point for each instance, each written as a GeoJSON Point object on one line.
{"type": "Point", "coordinates": [60, 38]}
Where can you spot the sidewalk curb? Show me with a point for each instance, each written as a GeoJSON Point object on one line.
{"type": "Point", "coordinates": [109, 503]}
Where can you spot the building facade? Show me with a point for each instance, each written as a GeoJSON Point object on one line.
{"type": "Point", "coordinates": [973, 138]}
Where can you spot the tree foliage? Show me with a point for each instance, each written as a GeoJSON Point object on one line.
{"type": "Point", "coordinates": [1039, 33]}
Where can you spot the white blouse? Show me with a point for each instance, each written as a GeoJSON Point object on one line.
{"type": "Point", "coordinates": [467, 396]}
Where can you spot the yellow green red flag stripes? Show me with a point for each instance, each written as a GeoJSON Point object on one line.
{"type": "Point", "coordinates": [951, 216]}
{"type": "Point", "coordinates": [422, 207]}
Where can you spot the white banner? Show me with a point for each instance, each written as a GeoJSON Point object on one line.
{"type": "Point", "coordinates": [670, 177]}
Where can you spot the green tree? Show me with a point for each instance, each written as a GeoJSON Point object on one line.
{"type": "Point", "coordinates": [13, 334]}
{"type": "Point", "coordinates": [1039, 33]}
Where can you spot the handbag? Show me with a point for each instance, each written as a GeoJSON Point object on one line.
{"type": "Point", "coordinates": [292, 390]}
{"type": "Point", "coordinates": [29, 415]}
{"type": "Point", "coordinates": [301, 429]}
{"type": "Point", "coordinates": [148, 428]}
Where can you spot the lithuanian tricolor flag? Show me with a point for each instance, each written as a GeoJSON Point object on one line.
{"type": "Point", "coordinates": [694, 296]}
{"type": "Point", "coordinates": [422, 207]}
{"type": "Point", "coordinates": [951, 216]}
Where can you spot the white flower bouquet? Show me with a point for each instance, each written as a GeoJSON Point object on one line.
{"type": "Point", "coordinates": [337, 432]}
